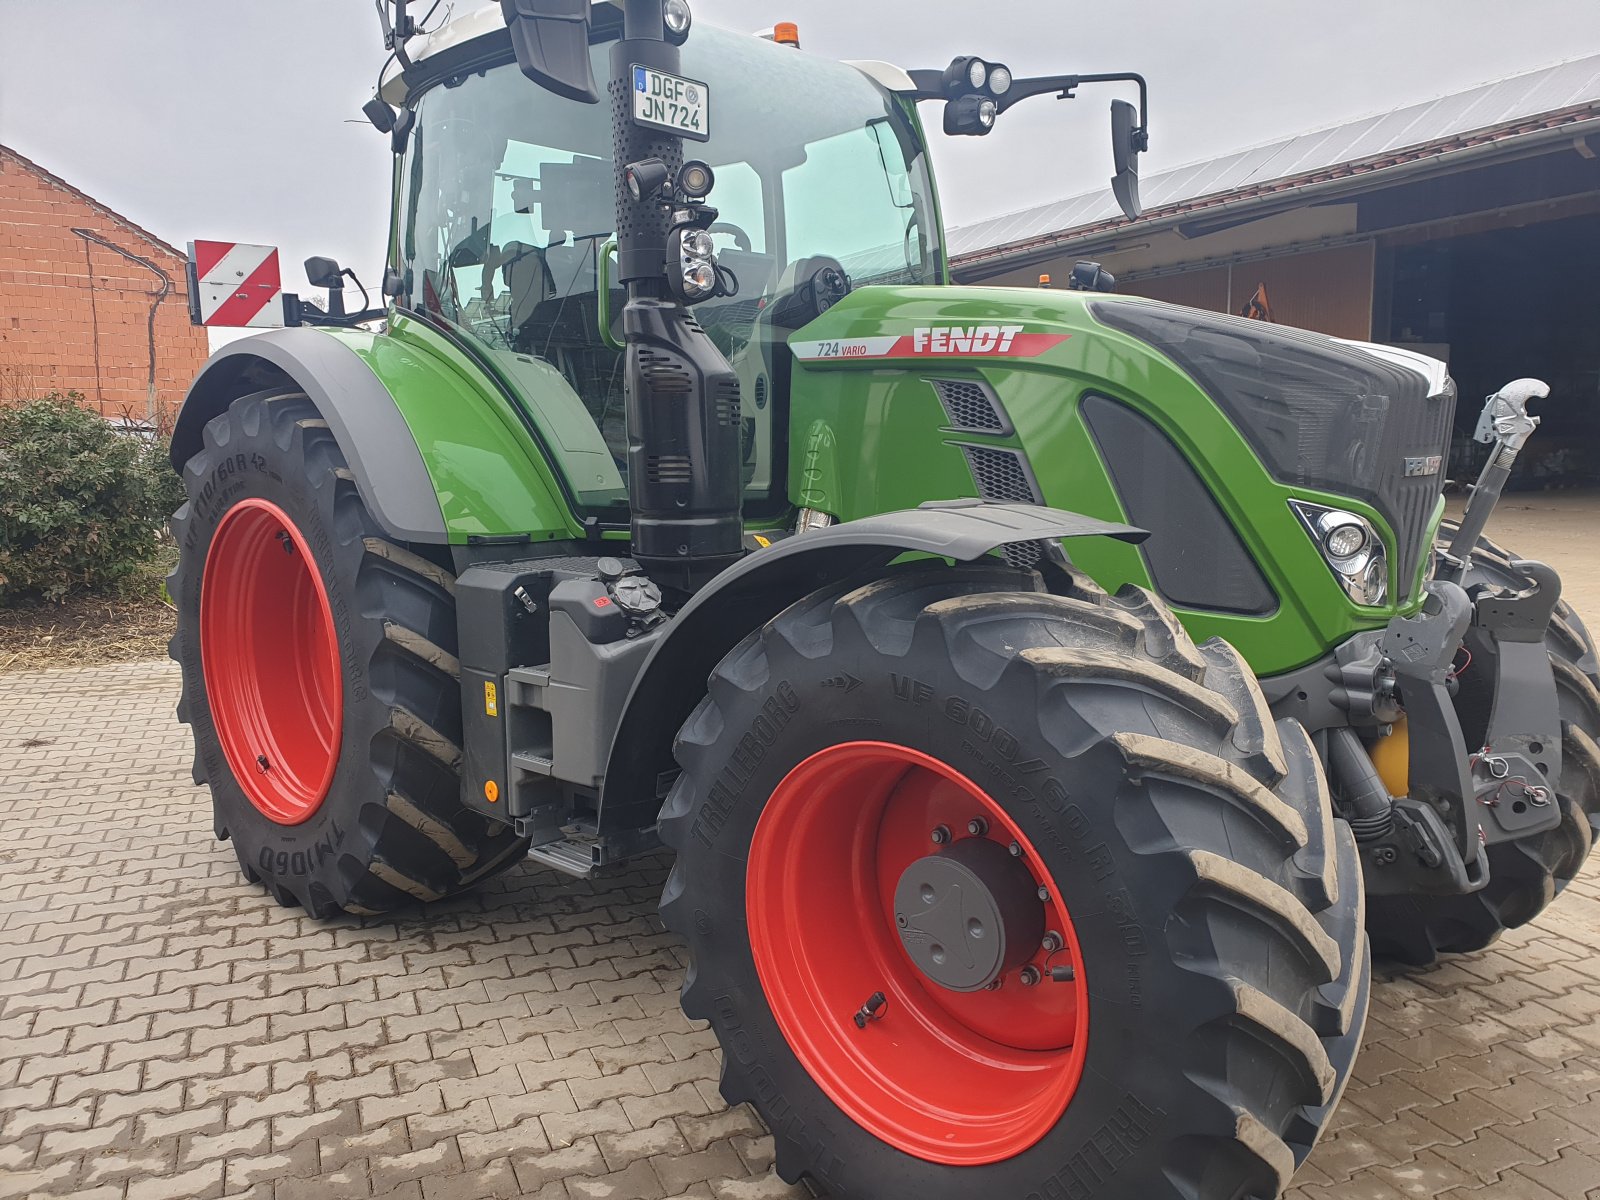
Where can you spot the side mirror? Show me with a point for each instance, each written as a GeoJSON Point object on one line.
{"type": "Point", "coordinates": [324, 273]}
{"type": "Point", "coordinates": [551, 40]}
{"type": "Point", "coordinates": [327, 273]}
{"type": "Point", "coordinates": [1127, 140]}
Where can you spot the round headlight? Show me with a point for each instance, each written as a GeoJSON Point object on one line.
{"type": "Point", "coordinates": [1345, 541]}
{"type": "Point", "coordinates": [1375, 580]}
{"type": "Point", "coordinates": [697, 244]}
{"type": "Point", "coordinates": [677, 16]}
{"type": "Point", "coordinates": [988, 110]}
{"type": "Point", "coordinates": [999, 80]}
{"type": "Point", "coordinates": [977, 72]}
{"type": "Point", "coordinates": [700, 278]}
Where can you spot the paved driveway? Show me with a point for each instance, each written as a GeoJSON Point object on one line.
{"type": "Point", "coordinates": [168, 1031]}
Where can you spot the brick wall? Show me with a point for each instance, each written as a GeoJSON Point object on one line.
{"type": "Point", "coordinates": [75, 314]}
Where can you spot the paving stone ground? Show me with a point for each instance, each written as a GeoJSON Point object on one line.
{"type": "Point", "coordinates": [168, 1031]}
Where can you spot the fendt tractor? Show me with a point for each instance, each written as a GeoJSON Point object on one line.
{"type": "Point", "coordinates": [1044, 692]}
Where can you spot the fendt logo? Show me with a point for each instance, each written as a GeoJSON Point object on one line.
{"type": "Point", "coordinates": [935, 341]}
{"type": "Point", "coordinates": [964, 339]}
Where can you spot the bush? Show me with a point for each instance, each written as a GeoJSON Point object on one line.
{"type": "Point", "coordinates": [81, 504]}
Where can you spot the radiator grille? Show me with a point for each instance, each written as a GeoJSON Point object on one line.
{"type": "Point", "coordinates": [970, 405]}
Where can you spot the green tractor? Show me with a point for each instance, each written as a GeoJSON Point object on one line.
{"type": "Point", "coordinates": [1045, 693]}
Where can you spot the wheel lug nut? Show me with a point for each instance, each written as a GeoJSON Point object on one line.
{"type": "Point", "coordinates": [1044, 895]}
{"type": "Point", "coordinates": [977, 827]}
{"type": "Point", "coordinates": [1029, 975]}
{"type": "Point", "coordinates": [1016, 849]}
{"type": "Point", "coordinates": [1052, 942]}
{"type": "Point", "coordinates": [940, 834]}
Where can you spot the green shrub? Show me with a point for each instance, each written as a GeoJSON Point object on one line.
{"type": "Point", "coordinates": [81, 504]}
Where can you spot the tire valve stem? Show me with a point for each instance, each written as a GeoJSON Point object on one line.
{"type": "Point", "coordinates": [872, 1010]}
{"type": "Point", "coordinates": [288, 545]}
{"type": "Point", "coordinates": [263, 764]}
{"type": "Point", "coordinates": [1063, 974]}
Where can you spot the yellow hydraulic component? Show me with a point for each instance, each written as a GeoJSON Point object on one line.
{"type": "Point", "coordinates": [1392, 756]}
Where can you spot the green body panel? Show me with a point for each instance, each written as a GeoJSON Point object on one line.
{"type": "Point", "coordinates": [491, 478]}
{"type": "Point", "coordinates": [902, 452]}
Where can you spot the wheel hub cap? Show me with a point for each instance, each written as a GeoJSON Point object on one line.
{"type": "Point", "coordinates": [967, 914]}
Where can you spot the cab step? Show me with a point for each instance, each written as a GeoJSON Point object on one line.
{"type": "Point", "coordinates": [569, 857]}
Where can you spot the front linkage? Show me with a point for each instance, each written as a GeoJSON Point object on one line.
{"type": "Point", "coordinates": [1484, 752]}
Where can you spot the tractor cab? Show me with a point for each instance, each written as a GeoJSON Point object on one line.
{"type": "Point", "coordinates": [507, 219]}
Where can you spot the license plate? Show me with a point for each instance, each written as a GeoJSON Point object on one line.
{"type": "Point", "coordinates": [680, 106]}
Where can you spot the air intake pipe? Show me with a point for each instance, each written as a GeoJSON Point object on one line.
{"type": "Point", "coordinates": [1359, 784]}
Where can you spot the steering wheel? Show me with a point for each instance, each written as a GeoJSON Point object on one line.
{"type": "Point", "coordinates": [741, 239]}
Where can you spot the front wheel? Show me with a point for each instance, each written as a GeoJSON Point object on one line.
{"type": "Point", "coordinates": [995, 892]}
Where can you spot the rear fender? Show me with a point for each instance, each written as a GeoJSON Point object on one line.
{"type": "Point", "coordinates": [354, 402]}
{"type": "Point", "coordinates": [670, 684]}
{"type": "Point", "coordinates": [437, 453]}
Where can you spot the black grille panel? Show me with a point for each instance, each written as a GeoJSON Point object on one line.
{"type": "Point", "coordinates": [1002, 475]}
{"type": "Point", "coordinates": [1317, 413]}
{"type": "Point", "coordinates": [971, 405]}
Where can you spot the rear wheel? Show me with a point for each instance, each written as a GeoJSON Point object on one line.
{"type": "Point", "coordinates": [319, 674]}
{"type": "Point", "coordinates": [1524, 875]}
{"type": "Point", "coordinates": [979, 877]}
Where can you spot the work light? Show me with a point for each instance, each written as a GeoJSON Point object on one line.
{"type": "Point", "coordinates": [676, 16]}
{"type": "Point", "coordinates": [999, 80]}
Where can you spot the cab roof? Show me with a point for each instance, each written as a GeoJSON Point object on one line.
{"type": "Point", "coordinates": [484, 23]}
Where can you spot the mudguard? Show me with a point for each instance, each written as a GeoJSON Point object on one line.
{"type": "Point", "coordinates": [440, 451]}
{"type": "Point", "coordinates": [369, 428]}
{"type": "Point", "coordinates": [640, 767]}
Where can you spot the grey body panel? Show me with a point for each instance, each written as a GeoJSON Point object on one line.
{"type": "Point", "coordinates": [390, 474]}
{"type": "Point", "coordinates": [750, 593]}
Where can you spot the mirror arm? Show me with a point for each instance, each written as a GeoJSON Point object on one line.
{"type": "Point", "coordinates": [396, 35]}
{"type": "Point", "coordinates": [1067, 85]}
{"type": "Point", "coordinates": [1143, 132]}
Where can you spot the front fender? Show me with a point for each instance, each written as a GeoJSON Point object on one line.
{"type": "Point", "coordinates": [753, 591]}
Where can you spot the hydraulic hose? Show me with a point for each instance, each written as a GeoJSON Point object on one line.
{"type": "Point", "coordinates": [1360, 785]}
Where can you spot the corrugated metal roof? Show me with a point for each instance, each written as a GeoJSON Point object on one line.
{"type": "Point", "coordinates": [1508, 103]}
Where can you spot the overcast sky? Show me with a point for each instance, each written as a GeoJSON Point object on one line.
{"type": "Point", "coordinates": [239, 119]}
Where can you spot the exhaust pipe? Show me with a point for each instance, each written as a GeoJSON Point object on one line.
{"type": "Point", "coordinates": [683, 400]}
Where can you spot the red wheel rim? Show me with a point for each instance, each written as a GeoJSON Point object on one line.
{"type": "Point", "coordinates": [271, 661]}
{"type": "Point", "coordinates": [961, 1078]}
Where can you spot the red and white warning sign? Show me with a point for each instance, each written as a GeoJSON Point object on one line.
{"type": "Point", "coordinates": [235, 285]}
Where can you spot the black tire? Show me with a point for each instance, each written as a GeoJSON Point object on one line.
{"type": "Point", "coordinates": [392, 830]}
{"type": "Point", "coordinates": [1525, 876]}
{"type": "Point", "coordinates": [1231, 894]}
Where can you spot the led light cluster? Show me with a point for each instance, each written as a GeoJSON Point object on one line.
{"type": "Point", "coordinates": [1352, 549]}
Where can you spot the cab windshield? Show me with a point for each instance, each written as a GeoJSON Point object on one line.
{"type": "Point", "coordinates": [509, 203]}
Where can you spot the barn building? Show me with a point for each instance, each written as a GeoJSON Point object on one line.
{"type": "Point", "coordinates": [1467, 228]}
{"type": "Point", "coordinates": [89, 301]}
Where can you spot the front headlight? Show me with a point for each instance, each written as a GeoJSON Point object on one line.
{"type": "Point", "coordinates": [1352, 549]}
